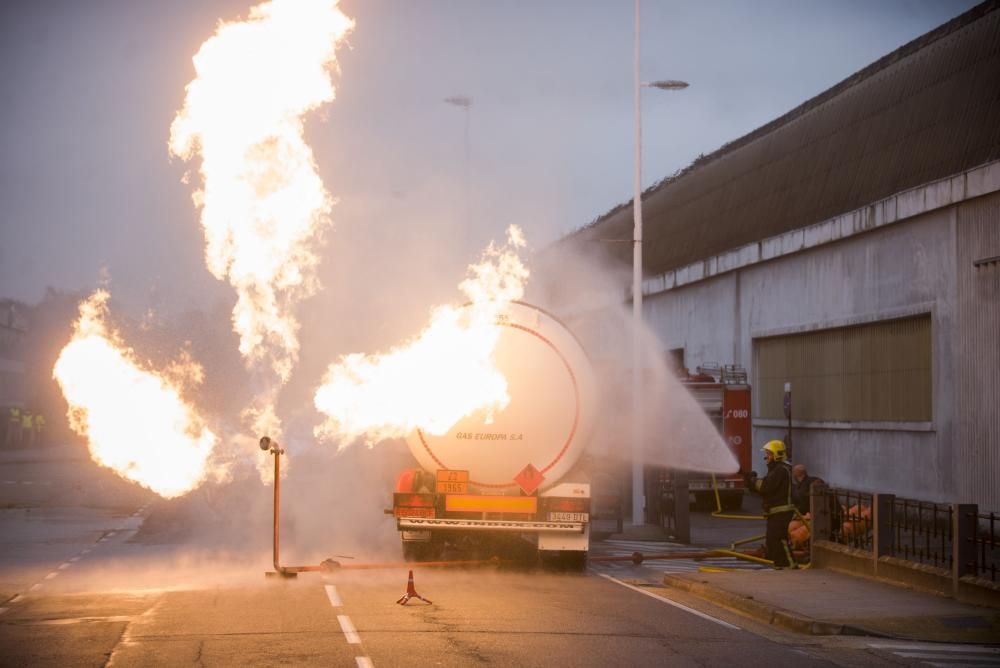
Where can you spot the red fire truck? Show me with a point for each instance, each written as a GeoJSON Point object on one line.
{"type": "Point", "coordinates": [724, 394]}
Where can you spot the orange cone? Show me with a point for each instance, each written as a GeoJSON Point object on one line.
{"type": "Point", "coordinates": [411, 592]}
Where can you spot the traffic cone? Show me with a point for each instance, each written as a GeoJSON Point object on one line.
{"type": "Point", "coordinates": [411, 592]}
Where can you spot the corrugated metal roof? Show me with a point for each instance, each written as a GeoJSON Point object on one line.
{"type": "Point", "coordinates": [926, 111]}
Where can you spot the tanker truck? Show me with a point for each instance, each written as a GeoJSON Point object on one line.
{"type": "Point", "coordinates": [514, 473]}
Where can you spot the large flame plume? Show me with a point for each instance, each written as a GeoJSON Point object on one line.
{"type": "Point", "coordinates": [263, 204]}
{"type": "Point", "coordinates": [135, 419]}
{"type": "Point", "coordinates": [442, 375]}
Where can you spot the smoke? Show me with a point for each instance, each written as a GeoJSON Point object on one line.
{"type": "Point", "coordinates": [585, 289]}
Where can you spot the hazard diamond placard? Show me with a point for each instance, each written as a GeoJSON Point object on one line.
{"type": "Point", "coordinates": [529, 479]}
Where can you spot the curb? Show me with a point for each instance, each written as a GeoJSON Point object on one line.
{"type": "Point", "coordinates": [764, 612]}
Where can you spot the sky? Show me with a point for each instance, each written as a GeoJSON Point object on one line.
{"type": "Point", "coordinates": [89, 89]}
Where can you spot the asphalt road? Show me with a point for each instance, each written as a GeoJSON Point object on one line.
{"type": "Point", "coordinates": [83, 584]}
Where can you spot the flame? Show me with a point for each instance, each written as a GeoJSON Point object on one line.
{"type": "Point", "coordinates": [263, 204]}
{"type": "Point", "coordinates": [134, 418]}
{"type": "Point", "coordinates": [442, 375]}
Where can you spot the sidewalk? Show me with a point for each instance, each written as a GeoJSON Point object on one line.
{"type": "Point", "coordinates": [821, 602]}
{"type": "Point", "coordinates": [824, 602]}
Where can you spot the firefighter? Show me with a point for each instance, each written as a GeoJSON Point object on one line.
{"type": "Point", "coordinates": [776, 489]}
{"type": "Point", "coordinates": [39, 429]}
{"type": "Point", "coordinates": [27, 429]}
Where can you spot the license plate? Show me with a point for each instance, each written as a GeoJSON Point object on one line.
{"type": "Point", "coordinates": [568, 517]}
{"type": "Point", "coordinates": [415, 512]}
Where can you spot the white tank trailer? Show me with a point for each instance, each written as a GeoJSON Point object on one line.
{"type": "Point", "coordinates": [515, 473]}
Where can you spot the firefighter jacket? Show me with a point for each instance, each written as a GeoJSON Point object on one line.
{"type": "Point", "coordinates": [776, 488]}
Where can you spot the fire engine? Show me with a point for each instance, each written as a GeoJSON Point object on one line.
{"type": "Point", "coordinates": [724, 394]}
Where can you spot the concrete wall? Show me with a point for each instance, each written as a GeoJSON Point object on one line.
{"type": "Point", "coordinates": [893, 271]}
{"type": "Point", "coordinates": [977, 349]}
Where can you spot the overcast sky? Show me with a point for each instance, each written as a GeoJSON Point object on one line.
{"type": "Point", "coordinates": [89, 89]}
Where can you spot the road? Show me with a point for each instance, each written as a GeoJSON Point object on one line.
{"type": "Point", "coordinates": [82, 583]}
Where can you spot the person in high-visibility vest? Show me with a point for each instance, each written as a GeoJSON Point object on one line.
{"type": "Point", "coordinates": [27, 428]}
{"type": "Point", "coordinates": [776, 490]}
{"type": "Point", "coordinates": [13, 426]}
{"type": "Point", "coordinates": [40, 429]}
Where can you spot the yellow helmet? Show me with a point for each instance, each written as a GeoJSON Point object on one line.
{"type": "Point", "coordinates": [776, 448]}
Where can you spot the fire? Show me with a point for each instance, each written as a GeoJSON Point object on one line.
{"type": "Point", "coordinates": [442, 375]}
{"type": "Point", "coordinates": [135, 419]}
{"type": "Point", "coordinates": [263, 204]}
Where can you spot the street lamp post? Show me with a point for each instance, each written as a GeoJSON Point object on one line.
{"type": "Point", "coordinates": [638, 483]}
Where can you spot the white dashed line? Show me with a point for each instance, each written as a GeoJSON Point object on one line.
{"type": "Point", "coordinates": [110, 534]}
{"type": "Point", "coordinates": [63, 567]}
{"type": "Point", "coordinates": [364, 662]}
{"type": "Point", "coordinates": [351, 633]}
{"type": "Point", "coordinates": [331, 593]}
{"type": "Point", "coordinates": [16, 598]}
{"type": "Point", "coordinates": [980, 649]}
{"type": "Point", "coordinates": [87, 551]}
{"type": "Point", "coordinates": [37, 585]}
{"type": "Point", "coordinates": [74, 559]}
{"type": "Point", "coordinates": [669, 602]}
{"type": "Point", "coordinates": [51, 575]}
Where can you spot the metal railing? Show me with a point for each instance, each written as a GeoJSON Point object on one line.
{"type": "Point", "coordinates": [850, 518]}
{"type": "Point", "coordinates": [922, 532]}
{"type": "Point", "coordinates": [987, 545]}
{"type": "Point", "coordinates": [953, 537]}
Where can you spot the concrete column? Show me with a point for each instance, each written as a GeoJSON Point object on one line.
{"type": "Point", "coordinates": [964, 522]}
{"type": "Point", "coordinates": [883, 536]}
{"type": "Point", "coordinates": [819, 510]}
{"type": "Point", "coordinates": [682, 516]}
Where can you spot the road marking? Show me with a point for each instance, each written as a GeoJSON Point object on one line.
{"type": "Point", "coordinates": [3, 610]}
{"type": "Point", "coordinates": [80, 620]}
{"type": "Point", "coordinates": [927, 656]}
{"type": "Point", "coordinates": [331, 593]}
{"type": "Point", "coordinates": [51, 575]}
{"type": "Point", "coordinates": [74, 559]}
{"type": "Point", "coordinates": [16, 598]}
{"type": "Point", "coordinates": [63, 567]}
{"type": "Point", "coordinates": [694, 612]}
{"type": "Point", "coordinates": [87, 551]}
{"type": "Point", "coordinates": [351, 633]}
{"type": "Point", "coordinates": [37, 585]}
{"type": "Point", "coordinates": [364, 662]}
{"type": "Point", "coordinates": [937, 648]}
{"type": "Point", "coordinates": [110, 534]}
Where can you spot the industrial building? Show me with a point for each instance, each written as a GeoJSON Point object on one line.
{"type": "Point", "coordinates": [850, 248]}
